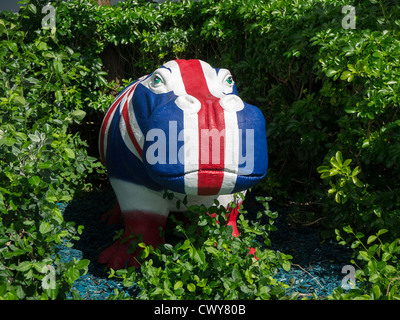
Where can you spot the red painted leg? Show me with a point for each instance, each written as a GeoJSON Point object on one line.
{"type": "Point", "coordinates": [253, 252]}
{"type": "Point", "coordinates": [232, 221]}
{"type": "Point", "coordinates": [135, 223]}
{"type": "Point", "coordinates": [232, 215]}
{"type": "Point", "coordinates": [113, 215]}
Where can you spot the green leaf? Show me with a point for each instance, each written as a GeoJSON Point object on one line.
{"type": "Point", "coordinates": [339, 158]}
{"type": "Point", "coordinates": [356, 171]}
{"type": "Point", "coordinates": [19, 100]}
{"type": "Point", "coordinates": [327, 174]}
{"type": "Point", "coordinates": [83, 263]}
{"type": "Point", "coordinates": [366, 143]}
{"type": "Point", "coordinates": [199, 256]}
{"type": "Point", "coordinates": [286, 265]}
{"type": "Point", "coordinates": [78, 115]}
{"type": "Point", "coordinates": [357, 182]}
{"type": "Point", "coordinates": [212, 250]}
{"type": "Point", "coordinates": [347, 229]}
{"type": "Point", "coordinates": [355, 244]}
{"type": "Point", "coordinates": [41, 45]}
{"type": "Point", "coordinates": [145, 252]}
{"type": "Point", "coordinates": [381, 231]}
{"type": "Point", "coordinates": [58, 95]}
{"type": "Point", "coordinates": [45, 227]}
{"type": "Point", "coordinates": [248, 274]}
{"type": "Point", "coordinates": [178, 285]}
{"type": "Point", "coordinates": [374, 277]}
{"type": "Point", "coordinates": [70, 153]}
{"type": "Point", "coordinates": [80, 229]}
{"type": "Point", "coordinates": [73, 274]}
{"type": "Point", "coordinates": [51, 198]}
{"type": "Point", "coordinates": [338, 198]}
{"type": "Point", "coordinates": [371, 239]}
{"type": "Point", "coordinates": [45, 165]}
{"type": "Point", "coordinates": [376, 292]}
{"type": "Point", "coordinates": [34, 137]}
{"type": "Point", "coordinates": [386, 256]}
{"type": "Point", "coordinates": [334, 163]}
{"type": "Point", "coordinates": [58, 66]}
{"type": "Point", "coordinates": [24, 266]}
{"type": "Point", "coordinates": [350, 109]}
{"type": "Point", "coordinates": [13, 47]}
{"type": "Point", "coordinates": [322, 169]}
{"type": "Point", "coordinates": [191, 287]}
{"type": "Point", "coordinates": [331, 72]}
{"type": "Point", "coordinates": [185, 276]}
{"type": "Point", "coordinates": [359, 235]}
{"type": "Point", "coordinates": [236, 276]}
{"type": "Point", "coordinates": [364, 255]}
{"type": "Point", "coordinates": [345, 74]}
{"type": "Point", "coordinates": [158, 291]}
{"type": "Point", "coordinates": [102, 80]}
{"type": "Point", "coordinates": [32, 8]}
{"type": "Point", "coordinates": [186, 245]}
{"type": "Point", "coordinates": [346, 162]}
{"type": "Point", "coordinates": [264, 292]}
{"type": "Point", "coordinates": [35, 180]}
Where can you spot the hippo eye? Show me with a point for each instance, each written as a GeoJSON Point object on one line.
{"type": "Point", "coordinates": [157, 79]}
{"type": "Point", "coordinates": [229, 80]}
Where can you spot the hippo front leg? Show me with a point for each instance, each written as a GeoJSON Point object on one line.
{"type": "Point", "coordinates": [144, 217]}
{"type": "Point", "coordinates": [139, 226]}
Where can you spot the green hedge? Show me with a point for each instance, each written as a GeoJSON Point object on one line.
{"type": "Point", "coordinates": [329, 96]}
{"type": "Point", "coordinates": [45, 87]}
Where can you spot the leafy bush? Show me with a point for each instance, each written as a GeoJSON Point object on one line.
{"type": "Point", "coordinates": [379, 274]}
{"type": "Point", "coordinates": [42, 92]}
{"type": "Point", "coordinates": [208, 263]}
{"type": "Point", "coordinates": [329, 96]}
{"type": "Point", "coordinates": [366, 69]}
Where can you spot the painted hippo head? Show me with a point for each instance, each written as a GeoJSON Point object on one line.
{"type": "Point", "coordinates": [197, 136]}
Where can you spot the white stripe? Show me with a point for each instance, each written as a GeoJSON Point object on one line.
{"type": "Point", "coordinates": [133, 122]}
{"type": "Point", "coordinates": [122, 126]}
{"type": "Point", "coordinates": [231, 152]}
{"type": "Point", "coordinates": [110, 119]}
{"type": "Point", "coordinates": [191, 151]}
{"type": "Point", "coordinates": [190, 134]}
{"type": "Point", "coordinates": [106, 132]}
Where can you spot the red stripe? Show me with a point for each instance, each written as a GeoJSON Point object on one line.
{"type": "Point", "coordinates": [125, 115]}
{"type": "Point", "coordinates": [104, 126]}
{"type": "Point", "coordinates": [211, 116]}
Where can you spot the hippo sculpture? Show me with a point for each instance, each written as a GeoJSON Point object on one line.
{"type": "Point", "coordinates": [185, 129]}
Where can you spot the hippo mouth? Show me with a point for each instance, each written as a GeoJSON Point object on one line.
{"type": "Point", "coordinates": [211, 171]}
{"type": "Point", "coordinates": [209, 181]}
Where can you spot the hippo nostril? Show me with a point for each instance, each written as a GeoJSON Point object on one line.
{"type": "Point", "coordinates": [188, 103]}
{"type": "Point", "coordinates": [231, 103]}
